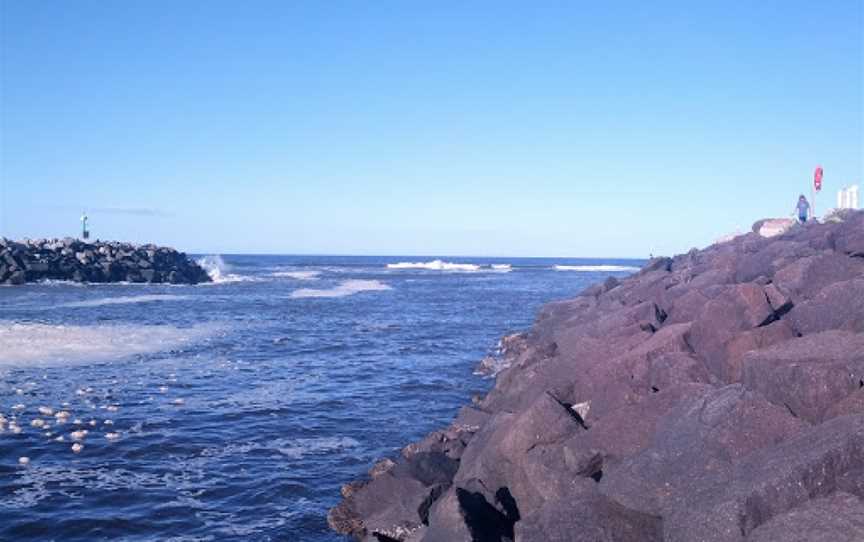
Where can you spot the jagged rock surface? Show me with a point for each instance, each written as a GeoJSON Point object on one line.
{"type": "Point", "coordinates": [714, 396]}
{"type": "Point", "coordinates": [79, 261]}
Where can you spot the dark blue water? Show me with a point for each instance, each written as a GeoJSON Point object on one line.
{"type": "Point", "coordinates": [235, 410]}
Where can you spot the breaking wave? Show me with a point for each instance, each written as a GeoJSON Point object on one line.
{"type": "Point", "coordinates": [219, 271]}
{"type": "Point", "coordinates": [44, 345]}
{"type": "Point", "coordinates": [345, 288]}
{"type": "Point", "coordinates": [435, 265]}
{"type": "Point", "coordinates": [597, 268]}
{"type": "Point", "coordinates": [123, 300]}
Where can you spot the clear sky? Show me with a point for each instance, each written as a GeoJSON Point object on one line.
{"type": "Point", "coordinates": [471, 128]}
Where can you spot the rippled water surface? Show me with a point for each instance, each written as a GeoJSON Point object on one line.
{"type": "Point", "coordinates": [235, 410]}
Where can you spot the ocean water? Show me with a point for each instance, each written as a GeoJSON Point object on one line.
{"type": "Point", "coordinates": [235, 410]}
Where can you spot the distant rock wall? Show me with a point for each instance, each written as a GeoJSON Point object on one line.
{"type": "Point", "coordinates": [717, 396]}
{"type": "Point", "coordinates": [79, 261]}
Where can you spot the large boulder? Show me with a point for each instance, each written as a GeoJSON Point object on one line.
{"type": "Point", "coordinates": [838, 517]}
{"type": "Point", "coordinates": [769, 258]}
{"type": "Point", "coordinates": [396, 502]}
{"type": "Point", "coordinates": [805, 277]}
{"type": "Point", "coordinates": [850, 235]}
{"type": "Point", "coordinates": [741, 307]}
{"type": "Point", "coordinates": [588, 516]}
{"type": "Point", "coordinates": [838, 306]}
{"type": "Point", "coordinates": [772, 227]}
{"type": "Point", "coordinates": [771, 482]}
{"type": "Point", "coordinates": [500, 454]}
{"type": "Point", "coordinates": [695, 446]}
{"type": "Point", "coordinates": [809, 374]}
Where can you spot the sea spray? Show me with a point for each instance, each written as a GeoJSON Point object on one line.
{"type": "Point", "coordinates": [220, 272]}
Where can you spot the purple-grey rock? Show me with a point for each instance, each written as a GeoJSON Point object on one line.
{"type": "Point", "coordinates": [717, 396]}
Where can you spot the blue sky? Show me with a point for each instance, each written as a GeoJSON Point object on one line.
{"type": "Point", "coordinates": [479, 128]}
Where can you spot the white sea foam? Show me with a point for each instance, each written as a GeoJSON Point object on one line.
{"type": "Point", "coordinates": [345, 288]}
{"type": "Point", "coordinates": [298, 275]}
{"type": "Point", "coordinates": [44, 345]}
{"type": "Point", "coordinates": [490, 366]}
{"type": "Point", "coordinates": [298, 448]}
{"type": "Point", "coordinates": [124, 300]}
{"type": "Point", "coordinates": [597, 268]}
{"type": "Point", "coordinates": [219, 271]}
{"type": "Point", "coordinates": [435, 265]}
{"type": "Point", "coordinates": [293, 448]}
{"type": "Point", "coordinates": [502, 267]}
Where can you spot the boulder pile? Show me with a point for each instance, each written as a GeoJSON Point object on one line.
{"type": "Point", "coordinates": [79, 261]}
{"type": "Point", "coordinates": [716, 396]}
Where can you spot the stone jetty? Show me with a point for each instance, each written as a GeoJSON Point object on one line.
{"type": "Point", "coordinates": [100, 261]}
{"type": "Point", "coordinates": [716, 396]}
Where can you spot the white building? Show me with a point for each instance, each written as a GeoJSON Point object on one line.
{"type": "Point", "coordinates": [847, 198]}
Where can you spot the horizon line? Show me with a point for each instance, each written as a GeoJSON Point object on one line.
{"type": "Point", "coordinates": [433, 256]}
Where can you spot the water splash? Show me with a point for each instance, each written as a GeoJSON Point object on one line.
{"type": "Point", "coordinates": [220, 272]}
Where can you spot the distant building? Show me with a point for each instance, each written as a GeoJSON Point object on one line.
{"type": "Point", "coordinates": [847, 198]}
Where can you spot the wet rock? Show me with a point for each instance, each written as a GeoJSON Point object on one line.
{"type": "Point", "coordinates": [396, 502]}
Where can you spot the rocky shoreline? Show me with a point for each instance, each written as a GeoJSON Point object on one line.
{"type": "Point", "coordinates": [714, 396]}
{"type": "Point", "coordinates": [79, 261]}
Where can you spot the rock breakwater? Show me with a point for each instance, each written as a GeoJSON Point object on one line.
{"type": "Point", "coordinates": [79, 261]}
{"type": "Point", "coordinates": [715, 396]}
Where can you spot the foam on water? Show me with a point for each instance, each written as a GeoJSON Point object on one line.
{"type": "Point", "coordinates": [345, 288]}
{"type": "Point", "coordinates": [502, 267]}
{"type": "Point", "coordinates": [294, 448]}
{"type": "Point", "coordinates": [26, 344]}
{"type": "Point", "coordinates": [298, 275]}
{"type": "Point", "coordinates": [597, 268]}
{"type": "Point", "coordinates": [123, 300]}
{"type": "Point", "coordinates": [435, 265]}
{"type": "Point", "coordinates": [301, 447]}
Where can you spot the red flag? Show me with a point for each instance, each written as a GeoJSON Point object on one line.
{"type": "Point", "coordinates": [817, 178]}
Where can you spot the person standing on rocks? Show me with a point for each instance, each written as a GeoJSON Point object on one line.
{"type": "Point", "coordinates": [85, 234]}
{"type": "Point", "coordinates": [803, 209]}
